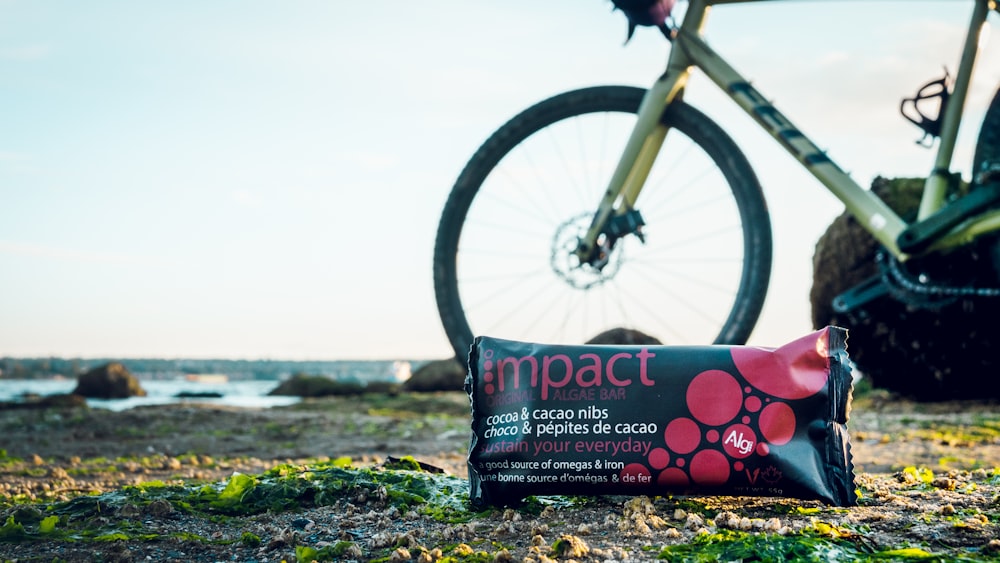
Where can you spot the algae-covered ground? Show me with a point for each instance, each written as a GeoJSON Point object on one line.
{"type": "Point", "coordinates": [382, 477]}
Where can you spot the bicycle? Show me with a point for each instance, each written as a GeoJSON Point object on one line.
{"type": "Point", "coordinates": [520, 253]}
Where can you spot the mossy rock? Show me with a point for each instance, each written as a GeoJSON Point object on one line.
{"type": "Point", "coordinates": [928, 351]}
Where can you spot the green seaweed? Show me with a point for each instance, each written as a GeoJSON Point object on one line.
{"type": "Point", "coordinates": [406, 462]}
{"type": "Point", "coordinates": [7, 460]}
{"type": "Point", "coordinates": [12, 530]}
{"type": "Point", "coordinates": [236, 490]}
{"type": "Point", "coordinates": [922, 475]}
{"type": "Point", "coordinates": [250, 539]}
{"type": "Point", "coordinates": [305, 554]}
{"type": "Point", "coordinates": [284, 487]}
{"type": "Point", "coordinates": [101, 518]}
{"type": "Point", "coordinates": [48, 525]}
{"type": "Point", "coordinates": [335, 552]}
{"type": "Point", "coordinates": [731, 545]}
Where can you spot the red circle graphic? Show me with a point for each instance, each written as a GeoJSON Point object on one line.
{"type": "Point", "coordinates": [709, 467]}
{"type": "Point", "coordinates": [714, 397]}
{"type": "Point", "coordinates": [777, 423]}
{"type": "Point", "coordinates": [682, 435]}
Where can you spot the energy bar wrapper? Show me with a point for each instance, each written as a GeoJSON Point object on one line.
{"type": "Point", "coordinates": [658, 420]}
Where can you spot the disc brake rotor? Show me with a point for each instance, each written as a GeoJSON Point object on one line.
{"type": "Point", "coordinates": [567, 265]}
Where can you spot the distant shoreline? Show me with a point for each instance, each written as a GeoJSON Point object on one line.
{"type": "Point", "coordinates": [170, 369]}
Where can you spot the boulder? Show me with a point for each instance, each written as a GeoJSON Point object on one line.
{"type": "Point", "coordinates": [303, 385]}
{"type": "Point", "coordinates": [929, 349]}
{"type": "Point", "coordinates": [109, 381]}
{"type": "Point", "coordinates": [437, 375]}
{"type": "Point", "coordinates": [624, 336]}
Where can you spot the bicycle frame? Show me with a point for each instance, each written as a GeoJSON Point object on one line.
{"type": "Point", "coordinates": [690, 50]}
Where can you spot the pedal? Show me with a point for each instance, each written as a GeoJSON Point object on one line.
{"type": "Point", "coordinates": [919, 236]}
{"type": "Point", "coordinates": [860, 295]}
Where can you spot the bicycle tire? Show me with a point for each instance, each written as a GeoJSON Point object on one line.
{"type": "Point", "coordinates": [988, 142]}
{"type": "Point", "coordinates": [492, 203]}
{"type": "Point", "coordinates": [987, 155]}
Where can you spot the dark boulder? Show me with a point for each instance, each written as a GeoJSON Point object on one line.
{"type": "Point", "coordinates": [303, 385]}
{"type": "Point", "coordinates": [437, 375]}
{"type": "Point", "coordinates": [624, 336]}
{"type": "Point", "coordinates": [109, 381]}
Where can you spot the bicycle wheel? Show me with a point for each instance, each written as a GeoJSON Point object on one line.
{"type": "Point", "coordinates": [987, 156]}
{"type": "Point", "coordinates": [503, 262]}
{"type": "Point", "coordinates": [988, 142]}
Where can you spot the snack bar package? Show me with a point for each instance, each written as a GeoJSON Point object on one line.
{"type": "Point", "coordinates": [658, 420]}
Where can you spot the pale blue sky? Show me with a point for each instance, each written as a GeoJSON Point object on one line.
{"type": "Point", "coordinates": [254, 179]}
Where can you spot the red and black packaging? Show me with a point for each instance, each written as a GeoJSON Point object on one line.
{"type": "Point", "coordinates": [657, 420]}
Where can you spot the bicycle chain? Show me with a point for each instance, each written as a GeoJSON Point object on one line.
{"type": "Point", "coordinates": [914, 286]}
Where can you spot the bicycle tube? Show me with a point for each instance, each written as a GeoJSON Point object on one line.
{"type": "Point", "coordinates": [986, 160]}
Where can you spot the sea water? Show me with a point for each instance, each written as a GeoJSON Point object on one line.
{"type": "Point", "coordinates": [238, 393]}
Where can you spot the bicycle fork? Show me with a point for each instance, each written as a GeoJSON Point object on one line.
{"type": "Point", "coordinates": [616, 215]}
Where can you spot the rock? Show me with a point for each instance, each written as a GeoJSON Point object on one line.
{"type": "Point", "coordinates": [109, 381]}
{"type": "Point", "coordinates": [58, 401]}
{"type": "Point", "coordinates": [302, 385]}
{"type": "Point", "coordinates": [930, 350]}
{"type": "Point", "coordinates": [198, 395]}
{"type": "Point", "coordinates": [62, 401]}
{"type": "Point", "coordinates": [437, 375]}
{"type": "Point", "coordinates": [624, 336]}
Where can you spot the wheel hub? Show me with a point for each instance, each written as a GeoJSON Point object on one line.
{"type": "Point", "coordinates": [567, 265]}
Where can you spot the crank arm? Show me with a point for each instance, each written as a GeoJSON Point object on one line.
{"type": "Point", "coordinates": [860, 295]}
